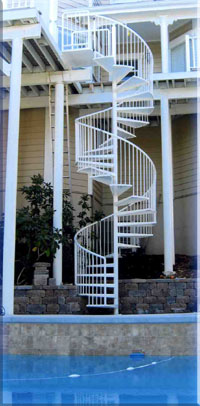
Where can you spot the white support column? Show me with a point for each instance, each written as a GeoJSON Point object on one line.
{"type": "Point", "coordinates": [48, 153]}
{"type": "Point", "coordinates": [167, 178]}
{"type": "Point", "coordinates": [53, 19]}
{"type": "Point", "coordinates": [58, 174]}
{"type": "Point", "coordinates": [11, 177]}
{"type": "Point", "coordinates": [164, 43]}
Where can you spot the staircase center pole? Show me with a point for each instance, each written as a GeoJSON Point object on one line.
{"type": "Point", "coordinates": [115, 197]}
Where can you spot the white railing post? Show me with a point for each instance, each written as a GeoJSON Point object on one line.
{"type": "Point", "coordinates": [187, 52]}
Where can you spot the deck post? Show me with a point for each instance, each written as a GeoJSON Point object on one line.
{"type": "Point", "coordinates": [167, 178]}
{"type": "Point", "coordinates": [164, 43]}
{"type": "Point", "coordinates": [58, 174]}
{"type": "Point", "coordinates": [11, 177]}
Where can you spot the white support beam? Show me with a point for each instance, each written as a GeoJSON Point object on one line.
{"type": "Point", "coordinates": [167, 181]}
{"type": "Point", "coordinates": [58, 175]}
{"type": "Point", "coordinates": [21, 31]}
{"type": "Point", "coordinates": [46, 78]}
{"type": "Point", "coordinates": [78, 87]}
{"type": "Point", "coordinates": [35, 55]}
{"type": "Point", "coordinates": [5, 67]}
{"type": "Point", "coordinates": [11, 178]}
{"type": "Point", "coordinates": [47, 55]}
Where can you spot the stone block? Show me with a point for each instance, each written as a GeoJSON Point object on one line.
{"type": "Point", "coordinates": [183, 299]}
{"type": "Point", "coordinates": [180, 285]}
{"type": "Point", "coordinates": [35, 300]}
{"type": "Point", "coordinates": [64, 309]}
{"type": "Point", "coordinates": [143, 286]}
{"type": "Point", "coordinates": [23, 308]}
{"type": "Point", "coordinates": [172, 293]}
{"type": "Point", "coordinates": [163, 286]}
{"type": "Point", "coordinates": [150, 299]}
{"type": "Point", "coordinates": [20, 292]}
{"type": "Point", "coordinates": [50, 292]}
{"type": "Point", "coordinates": [39, 280]}
{"type": "Point", "coordinates": [36, 309]}
{"type": "Point", "coordinates": [75, 308]}
{"type": "Point", "coordinates": [52, 282]}
{"type": "Point", "coordinates": [52, 308]}
{"type": "Point", "coordinates": [137, 293]}
{"type": "Point", "coordinates": [16, 309]}
{"type": "Point", "coordinates": [131, 286]}
{"type": "Point", "coordinates": [171, 300]}
{"type": "Point", "coordinates": [142, 308]}
{"type": "Point", "coordinates": [50, 300]}
{"type": "Point", "coordinates": [190, 292]}
{"type": "Point", "coordinates": [180, 292]}
{"type": "Point", "coordinates": [21, 300]}
{"type": "Point", "coordinates": [154, 307]}
{"type": "Point", "coordinates": [61, 300]}
{"type": "Point", "coordinates": [156, 292]}
{"type": "Point", "coordinates": [161, 299]}
{"type": "Point", "coordinates": [36, 292]}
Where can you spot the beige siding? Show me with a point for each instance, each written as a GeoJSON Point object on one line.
{"type": "Point", "coordinates": [4, 126]}
{"type": "Point", "coordinates": [156, 50]}
{"type": "Point", "coordinates": [185, 156]}
{"type": "Point", "coordinates": [31, 147]}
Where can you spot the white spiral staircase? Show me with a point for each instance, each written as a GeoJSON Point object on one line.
{"type": "Point", "coordinates": [104, 152]}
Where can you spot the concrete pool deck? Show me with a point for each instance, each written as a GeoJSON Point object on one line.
{"type": "Point", "coordinates": [167, 334]}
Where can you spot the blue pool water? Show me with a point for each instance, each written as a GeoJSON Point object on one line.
{"type": "Point", "coordinates": [70, 380]}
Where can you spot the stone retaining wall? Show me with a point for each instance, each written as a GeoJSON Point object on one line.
{"type": "Point", "coordinates": [99, 339]}
{"type": "Point", "coordinates": [49, 300]}
{"type": "Point", "coordinates": [137, 296]}
{"type": "Point", "coordinates": [149, 296]}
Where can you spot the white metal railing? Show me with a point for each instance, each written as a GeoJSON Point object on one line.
{"type": "Point", "coordinates": [107, 38]}
{"type": "Point", "coordinates": [12, 4]}
{"type": "Point", "coordinates": [191, 46]}
{"type": "Point", "coordinates": [106, 156]}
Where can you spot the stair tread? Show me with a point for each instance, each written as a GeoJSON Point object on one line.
{"type": "Point", "coordinates": [135, 212]}
{"type": "Point", "coordinates": [137, 224]}
{"type": "Point", "coordinates": [131, 83]}
{"type": "Point", "coordinates": [121, 245]}
{"type": "Point", "coordinates": [134, 235]}
{"type": "Point", "coordinates": [102, 305]}
{"type": "Point", "coordinates": [130, 199]}
{"type": "Point", "coordinates": [132, 122]}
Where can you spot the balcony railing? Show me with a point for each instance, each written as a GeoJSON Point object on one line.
{"type": "Point", "coordinates": [192, 60]}
{"type": "Point", "coordinates": [12, 4]}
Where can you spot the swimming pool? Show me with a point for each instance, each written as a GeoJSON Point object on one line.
{"type": "Point", "coordinates": [99, 380]}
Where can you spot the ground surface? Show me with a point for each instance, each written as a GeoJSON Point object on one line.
{"type": "Point", "coordinates": [152, 266]}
